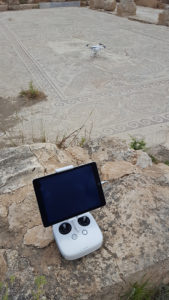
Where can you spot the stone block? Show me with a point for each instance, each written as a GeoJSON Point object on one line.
{"type": "Point", "coordinates": [143, 160]}
{"type": "Point", "coordinates": [39, 236]}
{"type": "Point", "coordinates": [83, 3]}
{"type": "Point", "coordinates": [148, 3]}
{"type": "Point", "coordinates": [163, 18]}
{"type": "Point", "coordinates": [18, 167]}
{"type": "Point", "coordinates": [13, 2]}
{"type": "Point", "coordinates": [3, 7]}
{"type": "Point", "coordinates": [28, 6]}
{"type": "Point", "coordinates": [109, 5]}
{"type": "Point", "coordinates": [91, 4]}
{"type": "Point", "coordinates": [99, 4]}
{"type": "Point", "coordinates": [126, 8]}
{"type": "Point", "coordinates": [13, 7]}
{"type": "Point", "coordinates": [116, 169]}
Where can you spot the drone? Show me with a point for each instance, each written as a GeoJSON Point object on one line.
{"type": "Point", "coordinates": [96, 49]}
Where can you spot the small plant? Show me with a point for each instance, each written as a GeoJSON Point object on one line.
{"type": "Point", "coordinates": [138, 291]}
{"type": "Point", "coordinates": [32, 92]}
{"type": "Point", "coordinates": [167, 162]}
{"type": "Point", "coordinates": [82, 142]}
{"type": "Point", "coordinates": [40, 281]}
{"type": "Point", "coordinates": [1, 285]}
{"type": "Point", "coordinates": [137, 144]}
{"type": "Point", "coordinates": [4, 287]}
{"type": "Point", "coordinates": [12, 279]}
{"type": "Point", "coordinates": [72, 137]}
{"type": "Point", "coordinates": [154, 159]}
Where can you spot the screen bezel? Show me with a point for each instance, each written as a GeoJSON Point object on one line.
{"type": "Point", "coordinates": [40, 202]}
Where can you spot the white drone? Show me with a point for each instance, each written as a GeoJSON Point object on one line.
{"type": "Point", "coordinates": [96, 49]}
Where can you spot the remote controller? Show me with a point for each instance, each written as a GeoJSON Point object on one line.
{"type": "Point", "coordinates": [78, 236]}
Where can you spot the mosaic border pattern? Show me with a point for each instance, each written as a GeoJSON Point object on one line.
{"type": "Point", "coordinates": [135, 124]}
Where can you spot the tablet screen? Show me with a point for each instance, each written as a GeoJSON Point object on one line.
{"type": "Point", "coordinates": [67, 194]}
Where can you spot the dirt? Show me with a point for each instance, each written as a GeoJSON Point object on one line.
{"type": "Point", "coordinates": [9, 112]}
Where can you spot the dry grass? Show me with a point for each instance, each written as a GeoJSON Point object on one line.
{"type": "Point", "coordinates": [32, 93]}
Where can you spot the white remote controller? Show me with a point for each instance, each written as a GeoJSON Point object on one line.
{"type": "Point", "coordinates": [78, 236]}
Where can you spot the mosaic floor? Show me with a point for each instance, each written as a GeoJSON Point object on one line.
{"type": "Point", "coordinates": [124, 89]}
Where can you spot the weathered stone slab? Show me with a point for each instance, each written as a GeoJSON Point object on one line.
{"type": "Point", "coordinates": [126, 8]}
{"type": "Point", "coordinates": [148, 3]}
{"type": "Point", "coordinates": [25, 214]}
{"type": "Point", "coordinates": [3, 7]}
{"type": "Point", "coordinates": [163, 18]}
{"type": "Point", "coordinates": [91, 4]}
{"type": "Point", "coordinates": [3, 211]}
{"type": "Point", "coordinates": [38, 236]}
{"type": "Point", "coordinates": [29, 6]}
{"type": "Point", "coordinates": [99, 4]}
{"type": "Point", "coordinates": [143, 160]}
{"type": "Point", "coordinates": [160, 152]}
{"type": "Point", "coordinates": [18, 167]}
{"type": "Point", "coordinates": [116, 169]}
{"type": "Point", "coordinates": [109, 5]}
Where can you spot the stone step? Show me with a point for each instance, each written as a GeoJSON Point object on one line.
{"type": "Point", "coordinates": [59, 4]}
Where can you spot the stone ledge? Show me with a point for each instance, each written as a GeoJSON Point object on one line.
{"type": "Point", "coordinates": [23, 6]}
{"type": "Point", "coordinates": [3, 7]}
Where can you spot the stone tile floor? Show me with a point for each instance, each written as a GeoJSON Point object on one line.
{"type": "Point", "coordinates": [125, 90]}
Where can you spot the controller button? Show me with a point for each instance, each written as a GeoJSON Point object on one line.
{"type": "Point", "coordinates": [84, 221]}
{"type": "Point", "coordinates": [65, 228]}
{"type": "Point", "coordinates": [84, 232]}
{"type": "Point", "coordinates": [74, 236]}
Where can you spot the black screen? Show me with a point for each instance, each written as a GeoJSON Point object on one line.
{"type": "Point", "coordinates": [67, 194]}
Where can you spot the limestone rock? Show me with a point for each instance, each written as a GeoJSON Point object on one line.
{"type": "Point", "coordinates": [161, 152]}
{"type": "Point", "coordinates": [79, 154]}
{"type": "Point", "coordinates": [91, 4]}
{"type": "Point", "coordinates": [126, 8]}
{"type": "Point", "coordinates": [163, 18]}
{"type": "Point", "coordinates": [3, 7]}
{"type": "Point", "coordinates": [143, 160]}
{"type": "Point", "coordinates": [25, 214]}
{"type": "Point", "coordinates": [105, 149]}
{"type": "Point", "coordinates": [18, 167]}
{"type": "Point", "coordinates": [149, 3]}
{"type": "Point", "coordinates": [116, 169]}
{"type": "Point", "coordinates": [49, 156]}
{"type": "Point", "coordinates": [29, 6]}
{"type": "Point", "coordinates": [109, 5]}
{"type": "Point", "coordinates": [99, 4]}
{"type": "Point", "coordinates": [100, 156]}
{"type": "Point", "coordinates": [134, 223]}
{"type": "Point", "coordinates": [13, 2]}
{"type": "Point", "coordinates": [165, 170]}
{"type": "Point", "coordinates": [3, 266]}
{"type": "Point", "coordinates": [3, 211]}
{"type": "Point", "coordinates": [38, 236]}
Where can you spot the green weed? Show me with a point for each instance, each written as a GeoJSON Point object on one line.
{"type": "Point", "coordinates": [40, 281]}
{"type": "Point", "coordinates": [154, 159]}
{"type": "Point", "coordinates": [137, 144]}
{"type": "Point", "coordinates": [82, 142]}
{"type": "Point", "coordinates": [138, 291]}
{"type": "Point", "coordinates": [167, 162]}
{"type": "Point", "coordinates": [32, 92]}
